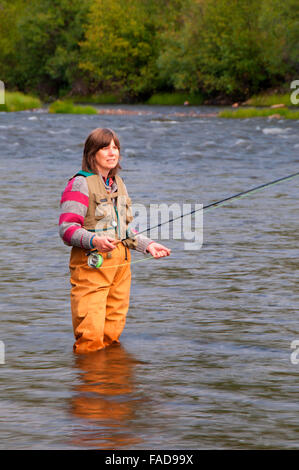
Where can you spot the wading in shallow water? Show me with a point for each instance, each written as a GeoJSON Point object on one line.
{"type": "Point", "coordinates": [95, 217]}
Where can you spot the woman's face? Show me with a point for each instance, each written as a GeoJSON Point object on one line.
{"type": "Point", "coordinates": [107, 158]}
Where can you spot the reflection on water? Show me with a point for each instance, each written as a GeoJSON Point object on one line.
{"type": "Point", "coordinates": [204, 360]}
{"type": "Point", "coordinates": [105, 398]}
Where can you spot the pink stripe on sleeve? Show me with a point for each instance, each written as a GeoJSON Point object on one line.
{"type": "Point", "coordinates": [74, 196]}
{"type": "Point", "coordinates": [69, 233]}
{"type": "Point", "coordinates": [69, 185]}
{"type": "Point", "coordinates": [71, 218]}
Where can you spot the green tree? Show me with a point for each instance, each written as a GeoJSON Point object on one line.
{"type": "Point", "coordinates": [47, 51]}
{"type": "Point", "coordinates": [120, 48]}
{"type": "Point", "coordinates": [10, 13]}
{"type": "Point", "coordinates": [177, 61]}
{"type": "Point", "coordinates": [217, 49]}
{"type": "Point", "coordinates": [279, 22]}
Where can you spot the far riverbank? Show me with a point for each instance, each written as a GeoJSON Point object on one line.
{"type": "Point", "coordinates": [270, 106]}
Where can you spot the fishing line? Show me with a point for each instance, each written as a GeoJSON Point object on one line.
{"type": "Point", "coordinates": [210, 206]}
{"type": "Point", "coordinates": [225, 200]}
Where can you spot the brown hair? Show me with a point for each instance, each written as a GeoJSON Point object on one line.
{"type": "Point", "coordinates": [98, 139]}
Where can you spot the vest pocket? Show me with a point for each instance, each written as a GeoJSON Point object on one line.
{"type": "Point", "coordinates": [102, 208]}
{"type": "Point", "coordinates": [99, 213]}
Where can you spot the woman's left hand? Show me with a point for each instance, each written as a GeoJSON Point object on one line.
{"type": "Point", "coordinates": [157, 250]}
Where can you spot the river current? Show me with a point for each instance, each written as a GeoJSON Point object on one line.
{"type": "Point", "coordinates": [208, 356]}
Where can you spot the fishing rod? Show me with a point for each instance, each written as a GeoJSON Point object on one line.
{"type": "Point", "coordinates": [223, 201]}
{"type": "Point", "coordinates": [98, 260]}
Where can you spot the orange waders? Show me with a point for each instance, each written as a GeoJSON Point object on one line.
{"type": "Point", "coordinates": [99, 298]}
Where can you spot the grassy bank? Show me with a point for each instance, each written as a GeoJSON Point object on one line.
{"type": "Point", "coordinates": [104, 98]}
{"type": "Point", "coordinates": [256, 112]}
{"type": "Point", "coordinates": [68, 107]}
{"type": "Point", "coordinates": [16, 101]}
{"type": "Point", "coordinates": [270, 100]}
{"type": "Point", "coordinates": [175, 99]}
{"type": "Point", "coordinates": [171, 99]}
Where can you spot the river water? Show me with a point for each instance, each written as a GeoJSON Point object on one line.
{"type": "Point", "coordinates": [205, 360]}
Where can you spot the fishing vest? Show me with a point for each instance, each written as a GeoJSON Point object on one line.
{"type": "Point", "coordinates": [108, 214]}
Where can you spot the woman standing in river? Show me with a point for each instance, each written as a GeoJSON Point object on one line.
{"type": "Point", "coordinates": [95, 213]}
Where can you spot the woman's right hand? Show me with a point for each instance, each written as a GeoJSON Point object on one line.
{"type": "Point", "coordinates": [103, 244]}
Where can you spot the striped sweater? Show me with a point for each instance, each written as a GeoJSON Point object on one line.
{"type": "Point", "coordinates": [74, 205]}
